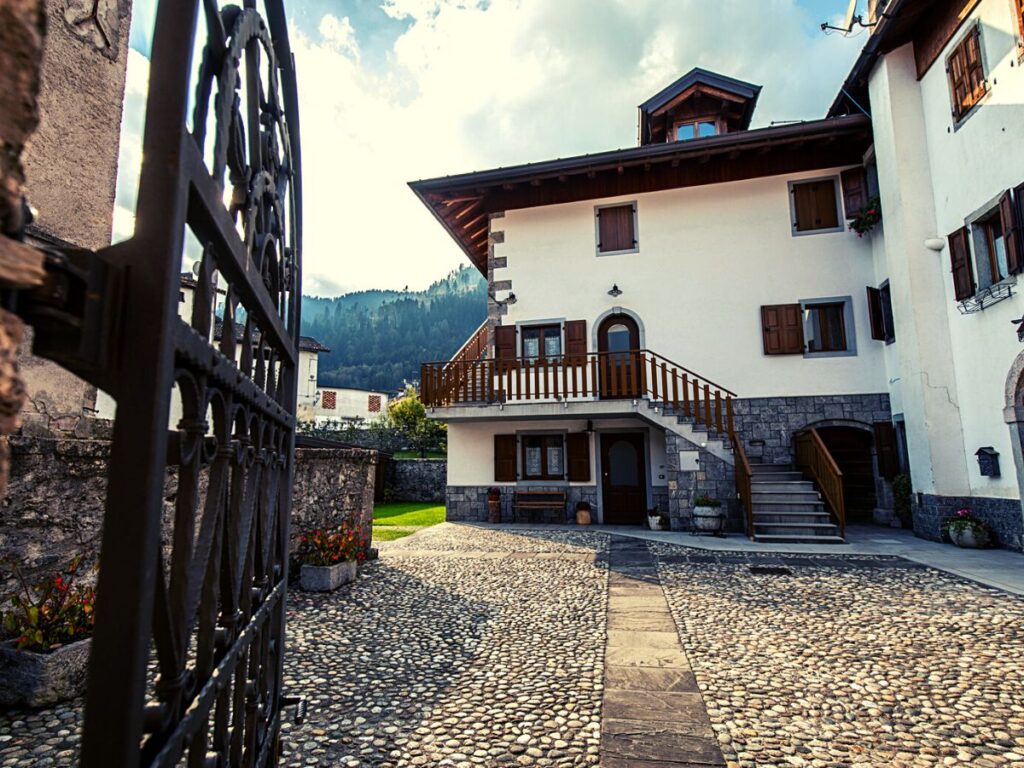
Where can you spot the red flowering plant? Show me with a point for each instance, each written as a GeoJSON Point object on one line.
{"type": "Point", "coordinates": [331, 546]}
{"type": "Point", "coordinates": [53, 612]}
{"type": "Point", "coordinates": [964, 520]}
{"type": "Point", "coordinates": [867, 217]}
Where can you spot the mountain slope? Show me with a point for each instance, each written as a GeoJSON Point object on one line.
{"type": "Point", "coordinates": [379, 338]}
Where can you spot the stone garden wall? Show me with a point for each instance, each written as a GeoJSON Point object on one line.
{"type": "Point", "coordinates": [54, 505]}
{"type": "Point", "coordinates": [416, 479]}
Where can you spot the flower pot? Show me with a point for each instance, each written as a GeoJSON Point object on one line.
{"type": "Point", "coordinates": [583, 516]}
{"type": "Point", "coordinates": [30, 679]}
{"type": "Point", "coordinates": [325, 578]}
{"type": "Point", "coordinates": [968, 538]}
{"type": "Point", "coordinates": [654, 523]}
{"type": "Point", "coordinates": [494, 510]}
{"type": "Point", "coordinates": [708, 519]}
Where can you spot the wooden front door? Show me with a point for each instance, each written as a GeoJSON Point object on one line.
{"type": "Point", "coordinates": [623, 479]}
{"type": "Point", "coordinates": [618, 344]}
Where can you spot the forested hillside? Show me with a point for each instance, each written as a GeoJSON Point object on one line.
{"type": "Point", "coordinates": [379, 338]}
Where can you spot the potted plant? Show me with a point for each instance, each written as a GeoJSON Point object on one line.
{"type": "Point", "coordinates": [867, 218]}
{"type": "Point", "coordinates": [494, 505]}
{"type": "Point", "coordinates": [966, 530]}
{"type": "Point", "coordinates": [329, 558]}
{"type": "Point", "coordinates": [657, 521]}
{"type": "Point", "coordinates": [708, 515]}
{"type": "Point", "coordinates": [582, 513]}
{"type": "Point", "coordinates": [901, 504]}
{"type": "Point", "coordinates": [45, 631]}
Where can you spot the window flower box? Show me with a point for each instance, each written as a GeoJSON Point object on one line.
{"type": "Point", "coordinates": [327, 578]}
{"type": "Point", "coordinates": [330, 558]}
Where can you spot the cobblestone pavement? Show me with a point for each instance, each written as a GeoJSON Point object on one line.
{"type": "Point", "coordinates": [850, 661]}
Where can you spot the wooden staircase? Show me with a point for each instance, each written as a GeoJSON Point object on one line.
{"type": "Point", "coordinates": [788, 509]}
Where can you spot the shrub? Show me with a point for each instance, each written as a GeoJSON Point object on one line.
{"type": "Point", "coordinates": [51, 613]}
{"type": "Point", "coordinates": [706, 501]}
{"type": "Point", "coordinates": [902, 492]}
{"type": "Point", "coordinates": [867, 218]}
{"type": "Point", "coordinates": [329, 547]}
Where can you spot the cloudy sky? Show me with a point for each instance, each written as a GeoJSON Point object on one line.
{"type": "Point", "coordinates": [397, 90]}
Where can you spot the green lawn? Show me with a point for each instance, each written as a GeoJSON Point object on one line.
{"type": "Point", "coordinates": [403, 455]}
{"type": "Point", "coordinates": [408, 513]}
{"type": "Point", "coordinates": [390, 534]}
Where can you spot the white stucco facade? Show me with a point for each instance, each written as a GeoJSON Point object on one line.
{"type": "Point", "coordinates": [337, 405]}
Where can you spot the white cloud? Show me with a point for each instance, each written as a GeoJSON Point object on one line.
{"type": "Point", "coordinates": [473, 84]}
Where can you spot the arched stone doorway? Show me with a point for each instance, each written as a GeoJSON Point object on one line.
{"type": "Point", "coordinates": [852, 445]}
{"type": "Point", "coordinates": [1013, 414]}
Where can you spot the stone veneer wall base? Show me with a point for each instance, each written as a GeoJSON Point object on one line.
{"type": "Point", "coordinates": [1004, 517]}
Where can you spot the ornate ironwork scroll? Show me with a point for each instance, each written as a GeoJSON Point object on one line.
{"type": "Point", "coordinates": [187, 654]}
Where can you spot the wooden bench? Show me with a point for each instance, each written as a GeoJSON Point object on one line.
{"type": "Point", "coordinates": [537, 500]}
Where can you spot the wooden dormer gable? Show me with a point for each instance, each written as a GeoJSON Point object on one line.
{"type": "Point", "coordinates": [697, 105]}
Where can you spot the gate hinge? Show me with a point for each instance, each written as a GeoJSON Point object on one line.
{"type": "Point", "coordinates": [76, 312]}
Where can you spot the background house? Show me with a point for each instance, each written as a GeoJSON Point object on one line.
{"type": "Point", "coordinates": [336, 406]}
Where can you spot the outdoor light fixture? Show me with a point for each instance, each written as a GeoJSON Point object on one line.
{"type": "Point", "coordinates": [590, 427]}
{"type": "Point", "coordinates": [935, 244]}
{"type": "Point", "coordinates": [511, 298]}
{"type": "Point", "coordinates": [615, 292]}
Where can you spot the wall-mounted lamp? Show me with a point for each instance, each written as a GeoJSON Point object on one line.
{"type": "Point", "coordinates": [590, 427]}
{"type": "Point", "coordinates": [935, 244]}
{"type": "Point", "coordinates": [511, 298]}
{"type": "Point", "coordinates": [615, 292]}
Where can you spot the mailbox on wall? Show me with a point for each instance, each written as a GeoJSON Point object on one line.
{"type": "Point", "coordinates": [988, 461]}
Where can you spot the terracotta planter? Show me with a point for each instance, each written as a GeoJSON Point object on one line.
{"type": "Point", "coordinates": [583, 516]}
{"type": "Point", "coordinates": [494, 510]}
{"type": "Point", "coordinates": [968, 538]}
{"type": "Point", "coordinates": [326, 578]}
{"type": "Point", "coordinates": [30, 679]}
{"type": "Point", "coordinates": [708, 519]}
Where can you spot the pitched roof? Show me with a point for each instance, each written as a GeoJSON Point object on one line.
{"type": "Point", "coordinates": [698, 76]}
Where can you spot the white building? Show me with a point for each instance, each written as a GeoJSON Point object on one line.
{"type": "Point", "coordinates": [337, 406]}
{"type": "Point", "coordinates": [727, 251]}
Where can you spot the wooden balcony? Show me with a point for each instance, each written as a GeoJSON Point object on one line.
{"type": "Point", "coordinates": [636, 374]}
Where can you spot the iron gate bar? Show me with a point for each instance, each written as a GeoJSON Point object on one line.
{"type": "Point", "coordinates": [209, 612]}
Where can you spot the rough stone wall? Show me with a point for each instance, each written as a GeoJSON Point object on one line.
{"type": "Point", "coordinates": [767, 424]}
{"type": "Point", "coordinates": [53, 510]}
{"type": "Point", "coordinates": [715, 479]}
{"type": "Point", "coordinates": [468, 503]}
{"type": "Point", "coordinates": [1003, 516]}
{"type": "Point", "coordinates": [71, 169]}
{"type": "Point", "coordinates": [417, 479]}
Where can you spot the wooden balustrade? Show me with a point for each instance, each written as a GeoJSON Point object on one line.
{"type": "Point", "coordinates": [743, 476]}
{"type": "Point", "coordinates": [599, 375]}
{"type": "Point", "coordinates": [815, 461]}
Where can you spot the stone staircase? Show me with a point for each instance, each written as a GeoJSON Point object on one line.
{"type": "Point", "coordinates": [789, 509]}
{"type": "Point", "coordinates": [690, 429]}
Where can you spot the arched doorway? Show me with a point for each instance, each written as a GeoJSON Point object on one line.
{"type": "Point", "coordinates": [1013, 414]}
{"type": "Point", "coordinates": [618, 340]}
{"type": "Point", "coordinates": [852, 450]}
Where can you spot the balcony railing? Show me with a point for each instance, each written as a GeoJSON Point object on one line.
{"type": "Point", "coordinates": [636, 374]}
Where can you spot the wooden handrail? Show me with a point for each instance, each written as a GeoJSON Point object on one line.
{"type": "Point", "coordinates": [743, 479]}
{"type": "Point", "coordinates": [812, 457]}
{"type": "Point", "coordinates": [474, 347]}
{"type": "Point", "coordinates": [636, 374]}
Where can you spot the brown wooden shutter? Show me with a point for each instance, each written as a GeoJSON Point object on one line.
{"type": "Point", "coordinates": [975, 69]}
{"type": "Point", "coordinates": [783, 329]}
{"type": "Point", "coordinates": [960, 260]}
{"type": "Point", "coordinates": [1010, 220]}
{"type": "Point", "coordinates": [505, 343]}
{"type": "Point", "coordinates": [957, 69]}
{"type": "Point", "coordinates": [504, 458]}
{"type": "Point", "coordinates": [814, 205]}
{"type": "Point", "coordinates": [577, 449]}
{"type": "Point", "coordinates": [615, 228]}
{"type": "Point", "coordinates": [875, 313]}
{"type": "Point", "coordinates": [855, 191]}
{"type": "Point", "coordinates": [885, 449]}
{"type": "Point", "coordinates": [576, 342]}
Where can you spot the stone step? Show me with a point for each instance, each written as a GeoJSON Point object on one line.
{"type": "Point", "coordinates": [802, 529]}
{"type": "Point", "coordinates": [805, 494]}
{"type": "Point", "coordinates": [792, 517]}
{"type": "Point", "coordinates": [777, 507]}
{"type": "Point", "coordinates": [797, 539]}
{"type": "Point", "coordinates": [764, 469]}
{"type": "Point", "coordinates": [760, 485]}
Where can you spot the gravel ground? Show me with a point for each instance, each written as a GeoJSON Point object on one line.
{"type": "Point", "coordinates": [855, 665]}
{"type": "Point", "coordinates": [428, 660]}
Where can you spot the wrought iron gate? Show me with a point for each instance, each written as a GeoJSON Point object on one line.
{"type": "Point", "coordinates": [189, 640]}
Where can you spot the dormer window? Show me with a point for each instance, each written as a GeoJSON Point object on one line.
{"type": "Point", "coordinates": [698, 129]}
